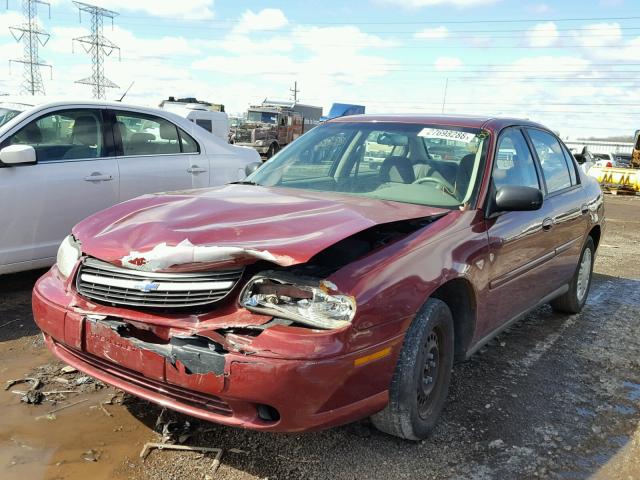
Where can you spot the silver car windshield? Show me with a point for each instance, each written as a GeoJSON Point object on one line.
{"type": "Point", "coordinates": [7, 114]}
{"type": "Point", "coordinates": [435, 165]}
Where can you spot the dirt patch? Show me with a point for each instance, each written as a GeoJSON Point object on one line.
{"type": "Point", "coordinates": [555, 396]}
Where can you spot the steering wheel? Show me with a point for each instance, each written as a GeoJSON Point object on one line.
{"type": "Point", "coordinates": [446, 186]}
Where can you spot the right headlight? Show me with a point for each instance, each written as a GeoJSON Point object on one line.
{"type": "Point", "coordinates": [304, 301]}
{"type": "Point", "coordinates": [68, 254]}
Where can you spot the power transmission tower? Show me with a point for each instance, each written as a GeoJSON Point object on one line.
{"type": "Point", "coordinates": [32, 37]}
{"type": "Point", "coordinates": [98, 46]}
{"type": "Point", "coordinates": [294, 91]}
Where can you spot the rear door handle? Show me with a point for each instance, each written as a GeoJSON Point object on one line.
{"type": "Point", "coordinates": [196, 169]}
{"type": "Point", "coordinates": [547, 223]}
{"type": "Point", "coordinates": [98, 177]}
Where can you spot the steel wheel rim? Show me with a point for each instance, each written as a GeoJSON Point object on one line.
{"type": "Point", "coordinates": [431, 373]}
{"type": "Point", "coordinates": [584, 274]}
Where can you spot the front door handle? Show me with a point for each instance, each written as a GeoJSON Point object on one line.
{"type": "Point", "coordinates": [547, 223]}
{"type": "Point", "coordinates": [196, 169]}
{"type": "Point", "coordinates": [98, 177]}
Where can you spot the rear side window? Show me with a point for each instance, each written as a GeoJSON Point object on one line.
{"type": "Point", "coordinates": [63, 135]}
{"type": "Point", "coordinates": [554, 164]}
{"type": "Point", "coordinates": [514, 164]}
{"type": "Point", "coordinates": [143, 134]}
{"type": "Point", "coordinates": [189, 145]}
{"type": "Point", "coordinates": [571, 164]}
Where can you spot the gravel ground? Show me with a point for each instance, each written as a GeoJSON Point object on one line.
{"type": "Point", "coordinates": [556, 396]}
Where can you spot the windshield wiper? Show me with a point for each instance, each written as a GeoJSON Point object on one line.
{"type": "Point", "coordinates": [245, 182]}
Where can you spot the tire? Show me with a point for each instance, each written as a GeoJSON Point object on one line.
{"type": "Point", "coordinates": [273, 149]}
{"type": "Point", "coordinates": [573, 300]}
{"type": "Point", "coordinates": [415, 405]}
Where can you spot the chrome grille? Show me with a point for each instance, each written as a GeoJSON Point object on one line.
{"type": "Point", "coordinates": [106, 283]}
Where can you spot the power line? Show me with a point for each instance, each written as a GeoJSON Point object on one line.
{"type": "Point", "coordinates": [32, 37]}
{"type": "Point", "coordinates": [98, 46]}
{"type": "Point", "coordinates": [418, 22]}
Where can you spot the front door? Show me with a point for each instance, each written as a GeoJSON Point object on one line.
{"type": "Point", "coordinates": [75, 176]}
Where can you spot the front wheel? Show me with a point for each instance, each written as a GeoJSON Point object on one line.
{"type": "Point", "coordinates": [576, 297]}
{"type": "Point", "coordinates": [273, 149]}
{"type": "Point", "coordinates": [421, 378]}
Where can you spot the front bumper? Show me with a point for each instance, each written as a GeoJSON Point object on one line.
{"type": "Point", "coordinates": [262, 149]}
{"type": "Point", "coordinates": [307, 394]}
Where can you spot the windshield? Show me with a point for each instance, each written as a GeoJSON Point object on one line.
{"type": "Point", "coordinates": [7, 114]}
{"type": "Point", "coordinates": [262, 117]}
{"type": "Point", "coordinates": [420, 164]}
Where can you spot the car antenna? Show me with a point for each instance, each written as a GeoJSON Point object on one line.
{"type": "Point", "coordinates": [126, 91]}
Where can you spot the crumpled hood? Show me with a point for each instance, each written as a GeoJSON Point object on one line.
{"type": "Point", "coordinates": [234, 224]}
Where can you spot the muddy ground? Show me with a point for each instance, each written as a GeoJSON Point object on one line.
{"type": "Point", "coordinates": [554, 397]}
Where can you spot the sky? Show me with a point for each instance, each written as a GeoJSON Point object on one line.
{"type": "Point", "coordinates": [571, 65]}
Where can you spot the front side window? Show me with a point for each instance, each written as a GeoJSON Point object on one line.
{"type": "Point", "coordinates": [63, 135]}
{"type": "Point", "coordinates": [513, 163]}
{"type": "Point", "coordinates": [554, 164]}
{"type": "Point", "coordinates": [389, 161]}
{"type": "Point", "coordinates": [147, 134]}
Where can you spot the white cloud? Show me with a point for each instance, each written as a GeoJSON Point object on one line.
{"type": "Point", "coordinates": [266, 19]}
{"type": "Point", "coordinates": [598, 35]}
{"type": "Point", "coordinates": [189, 9]}
{"type": "Point", "coordinates": [436, 33]}
{"type": "Point", "coordinates": [433, 3]}
{"type": "Point", "coordinates": [549, 66]}
{"type": "Point", "coordinates": [447, 64]}
{"type": "Point", "coordinates": [543, 35]}
{"type": "Point", "coordinates": [338, 39]}
{"type": "Point", "coordinates": [539, 8]}
{"type": "Point", "coordinates": [242, 44]}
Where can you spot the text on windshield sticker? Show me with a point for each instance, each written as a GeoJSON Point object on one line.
{"type": "Point", "coordinates": [443, 134]}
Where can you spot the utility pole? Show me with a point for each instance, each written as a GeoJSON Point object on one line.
{"type": "Point", "coordinates": [444, 96]}
{"type": "Point", "coordinates": [98, 46]}
{"type": "Point", "coordinates": [32, 38]}
{"type": "Point", "coordinates": [294, 91]}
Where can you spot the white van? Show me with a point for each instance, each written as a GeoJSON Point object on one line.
{"type": "Point", "coordinates": [214, 122]}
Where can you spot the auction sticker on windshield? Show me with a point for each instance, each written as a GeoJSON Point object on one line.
{"type": "Point", "coordinates": [444, 134]}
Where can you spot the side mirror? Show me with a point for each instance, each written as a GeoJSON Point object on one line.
{"type": "Point", "coordinates": [512, 198]}
{"type": "Point", "coordinates": [18, 155]}
{"type": "Point", "coordinates": [252, 167]}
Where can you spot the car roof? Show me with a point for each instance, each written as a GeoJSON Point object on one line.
{"type": "Point", "coordinates": [471, 121]}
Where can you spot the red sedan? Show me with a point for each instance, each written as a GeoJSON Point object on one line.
{"type": "Point", "coordinates": [340, 280]}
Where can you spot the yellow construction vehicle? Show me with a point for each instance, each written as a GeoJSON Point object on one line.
{"type": "Point", "coordinates": [619, 179]}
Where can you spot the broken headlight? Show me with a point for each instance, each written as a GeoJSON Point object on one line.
{"type": "Point", "coordinates": [311, 303]}
{"type": "Point", "coordinates": [68, 255]}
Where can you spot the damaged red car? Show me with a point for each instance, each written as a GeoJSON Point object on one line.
{"type": "Point", "coordinates": [338, 281]}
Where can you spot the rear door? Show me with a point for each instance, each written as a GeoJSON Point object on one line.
{"type": "Point", "coordinates": [155, 155]}
{"type": "Point", "coordinates": [520, 245]}
{"type": "Point", "coordinates": [568, 220]}
{"type": "Point", "coordinates": [76, 175]}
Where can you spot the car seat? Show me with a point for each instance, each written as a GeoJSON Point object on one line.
{"type": "Point", "coordinates": [84, 137]}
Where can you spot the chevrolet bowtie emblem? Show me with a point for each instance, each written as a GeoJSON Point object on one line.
{"type": "Point", "coordinates": [146, 286]}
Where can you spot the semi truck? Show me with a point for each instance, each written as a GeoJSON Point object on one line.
{"type": "Point", "coordinates": [270, 126]}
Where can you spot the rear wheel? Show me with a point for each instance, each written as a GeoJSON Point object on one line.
{"type": "Point", "coordinates": [421, 379]}
{"type": "Point", "coordinates": [576, 297]}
